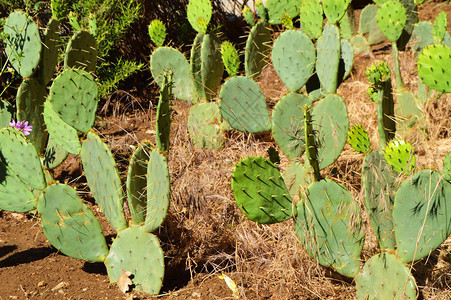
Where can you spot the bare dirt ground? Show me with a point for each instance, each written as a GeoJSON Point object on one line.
{"type": "Point", "coordinates": [205, 233]}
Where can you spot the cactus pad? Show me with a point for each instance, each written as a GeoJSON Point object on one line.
{"type": "Point", "coordinates": [377, 279]}
{"type": "Point", "coordinates": [276, 8]}
{"type": "Point", "coordinates": [400, 156]}
{"type": "Point", "coordinates": [329, 227]}
{"type": "Point", "coordinates": [293, 57]}
{"type": "Point", "coordinates": [288, 124]}
{"type": "Point", "coordinates": [164, 59]}
{"type": "Point", "coordinates": [257, 49]}
{"type": "Point", "coordinates": [138, 252]}
{"type": "Point", "coordinates": [439, 28]}
{"type": "Point", "coordinates": [73, 96]}
{"type": "Point", "coordinates": [7, 113]}
{"type": "Point", "coordinates": [261, 10]}
{"type": "Point", "coordinates": [103, 179]}
{"type": "Point", "coordinates": [157, 32]}
{"type": "Point", "coordinates": [358, 139]}
{"type": "Point", "coordinates": [54, 154]}
{"type": "Point", "coordinates": [81, 52]}
{"type": "Point", "coordinates": [163, 123]}
{"type": "Point", "coordinates": [328, 57]}
{"type": "Point", "coordinates": [230, 58]}
{"type": "Point", "coordinates": [335, 9]}
{"type": "Point", "coordinates": [421, 215]}
{"type": "Point", "coordinates": [69, 225]}
{"type": "Point", "coordinates": [368, 24]}
{"type": "Point", "coordinates": [21, 157]}
{"type": "Point", "coordinates": [391, 19]}
{"type": "Point", "coordinates": [311, 18]}
{"type": "Point", "coordinates": [158, 187]}
{"type": "Point", "coordinates": [447, 167]}
{"type": "Point", "coordinates": [23, 44]}
{"type": "Point", "coordinates": [49, 53]}
{"type": "Point", "coordinates": [199, 9]}
{"type": "Point", "coordinates": [243, 105]}
{"type": "Point", "coordinates": [15, 196]}
{"type": "Point", "coordinates": [297, 177]}
{"type": "Point", "coordinates": [260, 191]}
{"type": "Point", "coordinates": [434, 67]}
{"type": "Point", "coordinates": [204, 126]}
{"type": "Point", "coordinates": [248, 15]}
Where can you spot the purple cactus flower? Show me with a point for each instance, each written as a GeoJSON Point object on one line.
{"type": "Point", "coordinates": [22, 126]}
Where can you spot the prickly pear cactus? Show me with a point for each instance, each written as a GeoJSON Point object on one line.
{"type": "Point", "coordinates": [447, 167]}
{"type": "Point", "coordinates": [69, 225]}
{"type": "Point", "coordinates": [288, 124]}
{"type": "Point", "coordinates": [230, 58]}
{"type": "Point", "coordinates": [54, 154]}
{"type": "Point", "coordinates": [328, 57]}
{"type": "Point", "coordinates": [49, 53]}
{"type": "Point", "coordinates": [243, 105]}
{"type": "Point", "coordinates": [23, 43]}
{"type": "Point", "coordinates": [400, 156]}
{"type": "Point", "coordinates": [261, 10]}
{"type": "Point", "coordinates": [103, 179]}
{"type": "Point", "coordinates": [434, 67]}
{"type": "Point", "coordinates": [421, 215]}
{"type": "Point", "coordinates": [391, 19]}
{"type": "Point", "coordinates": [260, 191]}
{"type": "Point", "coordinates": [380, 184]}
{"type": "Point", "coordinates": [287, 21]}
{"type": "Point", "coordinates": [368, 24]}
{"type": "Point", "coordinates": [139, 252]}
{"type": "Point", "coordinates": [21, 157]}
{"type": "Point", "coordinates": [328, 224]}
{"type": "Point", "coordinates": [164, 59]}
{"type": "Point", "coordinates": [163, 124]}
{"type": "Point", "coordinates": [376, 280]}
{"type": "Point", "coordinates": [297, 177]}
{"type": "Point", "coordinates": [311, 18]}
{"type": "Point", "coordinates": [199, 9]}
{"type": "Point", "coordinates": [422, 35]}
{"type": "Point", "coordinates": [157, 32]}
{"type": "Point", "coordinates": [7, 112]}
{"type": "Point", "coordinates": [439, 27]}
{"type": "Point", "coordinates": [204, 126]}
{"type": "Point", "coordinates": [248, 15]}
{"type": "Point", "coordinates": [358, 139]}
{"type": "Point", "coordinates": [73, 96]}
{"type": "Point", "coordinates": [296, 68]}
{"type": "Point", "coordinates": [335, 9]}
{"type": "Point", "coordinates": [257, 49]}
{"type": "Point", "coordinates": [276, 8]}
{"type": "Point", "coordinates": [81, 52]}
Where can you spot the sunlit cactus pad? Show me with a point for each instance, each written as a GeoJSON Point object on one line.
{"type": "Point", "coordinates": [260, 191]}
{"type": "Point", "coordinates": [358, 139]}
{"type": "Point", "coordinates": [434, 67]}
{"type": "Point", "coordinates": [400, 156]}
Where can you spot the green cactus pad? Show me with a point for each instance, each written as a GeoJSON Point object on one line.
{"type": "Point", "coordinates": [204, 126]}
{"type": "Point", "coordinates": [81, 52]}
{"type": "Point", "coordinates": [138, 252]}
{"type": "Point", "coordinates": [422, 215]}
{"type": "Point", "coordinates": [157, 32]}
{"type": "Point", "coordinates": [360, 44]}
{"type": "Point", "coordinates": [347, 24]}
{"type": "Point", "coordinates": [377, 279]}
{"type": "Point", "coordinates": [197, 9]}
{"type": "Point", "coordinates": [434, 67]}
{"type": "Point", "coordinates": [248, 15]}
{"type": "Point", "coordinates": [329, 227]}
{"type": "Point", "coordinates": [347, 58]}
{"type": "Point", "coordinates": [49, 53]}
{"type": "Point", "coordinates": [335, 9]}
{"type": "Point", "coordinates": [380, 185]}
{"type": "Point", "coordinates": [400, 156]}
{"type": "Point", "coordinates": [73, 96]}
{"type": "Point", "coordinates": [447, 167]}
{"type": "Point", "coordinates": [15, 196]}
{"type": "Point", "coordinates": [257, 50]}
{"type": "Point", "coordinates": [407, 109]}
{"type": "Point", "coordinates": [422, 35]}
{"type": "Point", "coordinates": [21, 157]}
{"type": "Point", "coordinates": [230, 58]}
{"type": "Point", "coordinates": [391, 19]}
{"type": "Point", "coordinates": [137, 182]}
{"type": "Point", "coordinates": [54, 154]}
{"type": "Point", "coordinates": [293, 57]}
{"type": "Point", "coordinates": [288, 124]}
{"type": "Point", "coordinates": [69, 225]}
{"type": "Point", "coordinates": [164, 59]}
{"type": "Point", "coordinates": [23, 44]}
{"type": "Point", "coordinates": [64, 135]}
{"type": "Point", "coordinates": [358, 139]}
{"type": "Point", "coordinates": [368, 24]}
{"type": "Point", "coordinates": [7, 113]}
{"type": "Point", "coordinates": [243, 105]}
{"type": "Point", "coordinates": [260, 191]}
{"type": "Point", "coordinates": [297, 177]}
{"type": "Point", "coordinates": [30, 100]}
{"type": "Point", "coordinates": [328, 57]}
{"type": "Point", "coordinates": [158, 191]}
{"type": "Point", "coordinates": [261, 10]}
{"type": "Point", "coordinates": [103, 179]}
{"type": "Point", "coordinates": [163, 123]}
{"type": "Point", "coordinates": [276, 8]}
{"type": "Point", "coordinates": [311, 18]}
{"type": "Point", "coordinates": [331, 124]}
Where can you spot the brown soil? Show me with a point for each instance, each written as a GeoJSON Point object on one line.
{"type": "Point", "coordinates": [205, 234]}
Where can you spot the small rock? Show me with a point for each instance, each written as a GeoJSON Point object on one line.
{"type": "Point", "coordinates": [60, 285]}
{"type": "Point", "coordinates": [13, 297]}
{"type": "Point", "coordinates": [17, 216]}
{"type": "Point", "coordinates": [41, 283]}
